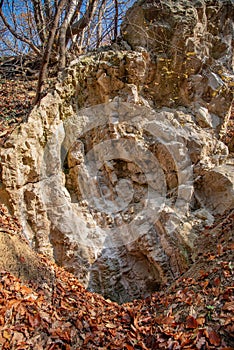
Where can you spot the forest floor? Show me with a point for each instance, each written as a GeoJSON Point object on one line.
{"type": "Point", "coordinates": [43, 307]}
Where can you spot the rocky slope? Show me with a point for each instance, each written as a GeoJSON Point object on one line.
{"type": "Point", "coordinates": [52, 310]}
{"type": "Point", "coordinates": [121, 166]}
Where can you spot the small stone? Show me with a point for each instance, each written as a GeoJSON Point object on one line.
{"type": "Point", "coordinates": [203, 117]}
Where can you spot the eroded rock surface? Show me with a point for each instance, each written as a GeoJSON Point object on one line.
{"type": "Point", "coordinates": [119, 168]}
{"type": "Point", "coordinates": [191, 45]}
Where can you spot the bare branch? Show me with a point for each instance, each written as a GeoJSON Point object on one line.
{"type": "Point", "coordinates": [48, 11]}
{"type": "Point", "coordinates": [99, 24]}
{"type": "Point", "coordinates": [116, 19]}
{"type": "Point", "coordinates": [18, 36]}
{"type": "Point", "coordinates": [75, 6]}
{"type": "Point", "coordinates": [78, 26]}
{"type": "Point", "coordinates": [48, 50]}
{"type": "Point", "coordinates": [39, 19]}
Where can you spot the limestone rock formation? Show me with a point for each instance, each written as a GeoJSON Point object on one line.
{"type": "Point", "coordinates": [119, 168]}
{"type": "Point", "coordinates": [191, 45]}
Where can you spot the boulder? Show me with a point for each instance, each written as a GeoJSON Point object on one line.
{"type": "Point", "coordinates": [191, 48]}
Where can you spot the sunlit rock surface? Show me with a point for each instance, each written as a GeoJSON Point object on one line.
{"type": "Point", "coordinates": [119, 168]}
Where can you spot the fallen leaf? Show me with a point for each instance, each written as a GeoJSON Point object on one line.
{"type": "Point", "coordinates": [201, 343]}
{"type": "Point", "coordinates": [213, 337]}
{"type": "Point", "coordinates": [229, 306]}
{"type": "Point", "coordinates": [110, 325]}
{"type": "Point", "coordinates": [191, 322]}
{"type": "Point", "coordinates": [34, 321]}
{"type": "Point", "coordinates": [219, 249]}
{"type": "Point", "coordinates": [217, 281]}
{"type": "Point", "coordinates": [129, 347]}
{"type": "Point", "coordinates": [17, 337]}
{"type": "Point", "coordinates": [26, 290]}
{"type": "Point", "coordinates": [7, 335]}
{"type": "Point", "coordinates": [200, 321]}
{"type": "Point", "coordinates": [170, 320]}
{"type": "Point", "coordinates": [4, 133]}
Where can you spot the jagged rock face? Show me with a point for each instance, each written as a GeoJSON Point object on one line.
{"type": "Point", "coordinates": [119, 168]}
{"type": "Point", "coordinates": [191, 46]}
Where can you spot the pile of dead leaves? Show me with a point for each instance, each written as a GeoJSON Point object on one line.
{"type": "Point", "coordinates": [195, 313]}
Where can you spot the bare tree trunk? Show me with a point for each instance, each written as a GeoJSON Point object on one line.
{"type": "Point", "coordinates": [39, 20]}
{"type": "Point", "coordinates": [74, 7]}
{"type": "Point", "coordinates": [99, 24]}
{"type": "Point", "coordinates": [47, 53]}
{"type": "Point", "coordinates": [48, 9]}
{"type": "Point", "coordinates": [78, 26]}
{"type": "Point", "coordinates": [116, 20]}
